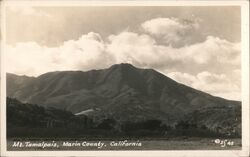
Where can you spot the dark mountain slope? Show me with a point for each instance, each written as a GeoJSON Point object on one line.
{"type": "Point", "coordinates": [30, 120]}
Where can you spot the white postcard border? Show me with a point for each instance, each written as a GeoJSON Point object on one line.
{"type": "Point", "coordinates": [245, 80]}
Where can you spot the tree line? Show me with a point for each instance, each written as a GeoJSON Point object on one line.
{"type": "Point", "coordinates": [29, 120]}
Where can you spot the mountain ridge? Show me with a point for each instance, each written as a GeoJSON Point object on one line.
{"type": "Point", "coordinates": [113, 66]}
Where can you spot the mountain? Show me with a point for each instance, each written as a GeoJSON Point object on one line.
{"type": "Point", "coordinates": [125, 93]}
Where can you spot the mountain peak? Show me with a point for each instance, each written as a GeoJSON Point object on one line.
{"type": "Point", "coordinates": [123, 66]}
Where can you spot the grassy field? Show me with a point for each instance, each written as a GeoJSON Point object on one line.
{"type": "Point", "coordinates": [146, 144]}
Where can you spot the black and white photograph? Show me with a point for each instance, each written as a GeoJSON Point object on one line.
{"type": "Point", "coordinates": [124, 77]}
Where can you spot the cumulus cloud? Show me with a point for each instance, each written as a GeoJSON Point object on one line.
{"type": "Point", "coordinates": [212, 66]}
{"type": "Point", "coordinates": [216, 84]}
{"type": "Point", "coordinates": [133, 48]}
{"type": "Point", "coordinates": [172, 31]}
{"type": "Point", "coordinates": [88, 52]}
{"type": "Point", "coordinates": [142, 50]}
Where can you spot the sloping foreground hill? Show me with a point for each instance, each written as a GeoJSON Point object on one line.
{"type": "Point", "coordinates": [33, 121]}
{"type": "Point", "coordinates": [127, 94]}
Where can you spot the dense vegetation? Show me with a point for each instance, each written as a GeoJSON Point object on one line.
{"type": "Point", "coordinates": [33, 121]}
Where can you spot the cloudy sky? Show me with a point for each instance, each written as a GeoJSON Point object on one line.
{"type": "Point", "coordinates": [197, 46]}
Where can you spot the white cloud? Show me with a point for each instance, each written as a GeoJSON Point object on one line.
{"type": "Point", "coordinates": [214, 48]}
{"type": "Point", "coordinates": [86, 53]}
{"type": "Point", "coordinates": [216, 84]}
{"type": "Point", "coordinates": [133, 48]}
{"type": "Point", "coordinates": [171, 30]}
{"type": "Point", "coordinates": [142, 50]}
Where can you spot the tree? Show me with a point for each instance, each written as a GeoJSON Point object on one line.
{"type": "Point", "coordinates": [107, 124]}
